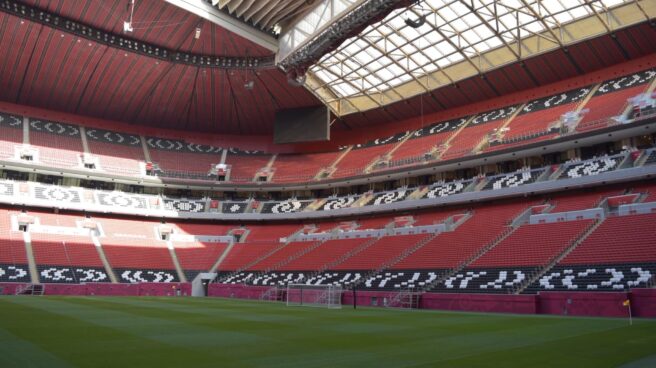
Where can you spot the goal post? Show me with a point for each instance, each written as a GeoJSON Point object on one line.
{"type": "Point", "coordinates": [323, 296]}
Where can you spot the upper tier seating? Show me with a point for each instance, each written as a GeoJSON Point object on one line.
{"type": "Point", "coordinates": [425, 140]}
{"type": "Point", "coordinates": [59, 144]}
{"type": "Point", "coordinates": [301, 167]}
{"type": "Point", "coordinates": [611, 97]}
{"type": "Point", "coordinates": [11, 134]}
{"type": "Point", "coordinates": [536, 116]}
{"type": "Point", "coordinates": [478, 129]}
{"type": "Point", "coordinates": [117, 153]}
{"type": "Point", "coordinates": [244, 165]}
{"type": "Point", "coordinates": [356, 161]}
{"type": "Point", "coordinates": [414, 149]}
{"type": "Point", "coordinates": [178, 158]}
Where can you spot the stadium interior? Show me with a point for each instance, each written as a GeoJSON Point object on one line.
{"type": "Point", "coordinates": [175, 175]}
{"type": "Point", "coordinates": [498, 148]}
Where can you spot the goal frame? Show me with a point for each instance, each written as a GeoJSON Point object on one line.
{"type": "Point", "coordinates": [318, 296]}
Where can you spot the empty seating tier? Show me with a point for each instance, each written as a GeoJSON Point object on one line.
{"type": "Point", "coordinates": [244, 167]}
{"type": "Point", "coordinates": [623, 239]}
{"type": "Point", "coordinates": [450, 249]}
{"type": "Point", "coordinates": [328, 252]}
{"type": "Point", "coordinates": [533, 245]}
{"type": "Point", "coordinates": [12, 134]}
{"type": "Point", "coordinates": [356, 161]}
{"type": "Point", "coordinates": [301, 167]}
{"type": "Point", "coordinates": [195, 257]}
{"type": "Point", "coordinates": [134, 252]}
{"type": "Point", "coordinates": [243, 254]}
{"type": "Point", "coordinates": [67, 259]}
{"type": "Point", "coordinates": [59, 144]}
{"type": "Point", "coordinates": [385, 250]}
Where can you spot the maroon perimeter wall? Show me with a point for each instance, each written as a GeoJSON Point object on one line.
{"type": "Point", "coordinates": [601, 304]}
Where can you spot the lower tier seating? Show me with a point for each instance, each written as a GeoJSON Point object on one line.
{"type": "Point", "coordinates": [384, 250]}
{"type": "Point", "coordinates": [243, 254]}
{"type": "Point", "coordinates": [196, 257]}
{"type": "Point", "coordinates": [67, 259]}
{"type": "Point", "coordinates": [595, 277]}
{"type": "Point", "coordinates": [13, 258]}
{"type": "Point", "coordinates": [622, 239]}
{"type": "Point", "coordinates": [485, 280]}
{"type": "Point", "coordinates": [519, 248]}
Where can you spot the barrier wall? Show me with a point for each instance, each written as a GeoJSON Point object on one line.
{"type": "Point", "coordinates": [486, 303]}
{"type": "Point", "coordinates": [600, 304]}
{"type": "Point", "coordinates": [577, 303]}
{"type": "Point", "coordinates": [643, 302]}
{"type": "Point", "coordinates": [106, 289]}
{"type": "Point", "coordinates": [368, 298]}
{"type": "Point", "coordinates": [236, 291]}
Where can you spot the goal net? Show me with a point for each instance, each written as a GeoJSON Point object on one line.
{"type": "Point", "coordinates": [325, 296]}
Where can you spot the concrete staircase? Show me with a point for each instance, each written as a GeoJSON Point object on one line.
{"type": "Point", "coordinates": [176, 262]}
{"type": "Point", "coordinates": [103, 258]}
{"type": "Point", "coordinates": [31, 263]}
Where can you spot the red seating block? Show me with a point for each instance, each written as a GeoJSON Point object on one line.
{"type": "Point", "coordinates": [116, 158]}
{"type": "Point", "coordinates": [198, 255]}
{"type": "Point", "coordinates": [382, 251]}
{"type": "Point", "coordinates": [56, 150]}
{"type": "Point", "coordinates": [450, 249]}
{"type": "Point", "coordinates": [301, 167]}
{"type": "Point", "coordinates": [533, 245]}
{"type": "Point", "coordinates": [357, 160]}
{"type": "Point", "coordinates": [621, 239]}
{"type": "Point", "coordinates": [328, 252]}
{"type": "Point", "coordinates": [65, 250]}
{"type": "Point", "coordinates": [244, 167]}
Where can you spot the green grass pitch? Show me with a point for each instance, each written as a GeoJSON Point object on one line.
{"type": "Point", "coordinates": [187, 332]}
